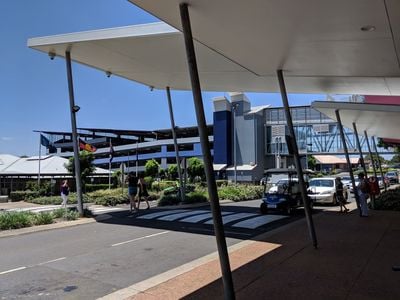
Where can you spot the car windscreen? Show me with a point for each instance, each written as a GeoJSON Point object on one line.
{"type": "Point", "coordinates": [320, 182]}
{"type": "Point", "coordinates": [283, 181]}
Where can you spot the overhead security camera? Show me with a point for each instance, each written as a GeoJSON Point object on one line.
{"type": "Point", "coordinates": [108, 74]}
{"type": "Point", "coordinates": [52, 55]}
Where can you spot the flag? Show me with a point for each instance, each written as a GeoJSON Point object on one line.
{"type": "Point", "coordinates": [111, 152]}
{"type": "Point", "coordinates": [85, 146]}
{"type": "Point", "coordinates": [44, 141]}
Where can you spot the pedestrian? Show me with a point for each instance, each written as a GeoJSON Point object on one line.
{"type": "Point", "coordinates": [143, 192]}
{"type": "Point", "coordinates": [363, 194]}
{"type": "Point", "coordinates": [340, 195]}
{"type": "Point", "coordinates": [132, 190]}
{"type": "Point", "coordinates": [64, 190]}
{"type": "Point", "coordinates": [373, 189]}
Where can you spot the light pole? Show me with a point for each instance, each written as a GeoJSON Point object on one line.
{"type": "Point", "coordinates": [307, 145]}
{"type": "Point", "coordinates": [278, 141]}
{"type": "Point", "coordinates": [234, 107]}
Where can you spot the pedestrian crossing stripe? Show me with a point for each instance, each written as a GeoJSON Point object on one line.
{"type": "Point", "coordinates": [161, 213]}
{"type": "Point", "coordinates": [203, 216]}
{"type": "Point", "coordinates": [242, 220]}
{"type": "Point", "coordinates": [231, 218]}
{"type": "Point", "coordinates": [258, 221]}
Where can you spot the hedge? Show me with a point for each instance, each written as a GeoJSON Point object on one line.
{"type": "Point", "coordinates": [23, 195]}
{"type": "Point", "coordinates": [95, 187]}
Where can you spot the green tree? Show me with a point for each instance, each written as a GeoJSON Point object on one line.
{"type": "Point", "coordinates": [195, 168]}
{"type": "Point", "coordinates": [151, 168]}
{"type": "Point", "coordinates": [172, 171]}
{"type": "Point", "coordinates": [86, 163]}
{"type": "Point", "coordinates": [311, 162]}
{"type": "Point", "coordinates": [375, 158]}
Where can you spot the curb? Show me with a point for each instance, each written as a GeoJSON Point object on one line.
{"type": "Point", "coordinates": [27, 230]}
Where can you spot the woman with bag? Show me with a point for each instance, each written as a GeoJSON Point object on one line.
{"type": "Point", "coordinates": [143, 192]}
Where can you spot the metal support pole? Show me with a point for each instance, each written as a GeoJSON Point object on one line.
{"type": "Point", "coordinates": [178, 164]}
{"type": "Point", "coordinates": [78, 180]}
{"type": "Point", "coordinates": [40, 159]}
{"type": "Point", "coordinates": [229, 292]}
{"type": "Point", "coordinates": [370, 153]}
{"type": "Point", "coordinates": [359, 149]}
{"type": "Point", "coordinates": [373, 168]}
{"type": "Point", "coordinates": [346, 152]}
{"type": "Point", "coordinates": [234, 106]}
{"type": "Point", "coordinates": [379, 163]}
{"type": "Point", "coordinates": [297, 161]}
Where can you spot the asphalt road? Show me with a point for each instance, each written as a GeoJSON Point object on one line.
{"type": "Point", "coordinates": [92, 260]}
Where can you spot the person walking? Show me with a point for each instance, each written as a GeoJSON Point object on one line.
{"type": "Point", "coordinates": [373, 189]}
{"type": "Point", "coordinates": [340, 195]}
{"type": "Point", "coordinates": [143, 192]}
{"type": "Point", "coordinates": [363, 193]}
{"type": "Point", "coordinates": [132, 190]}
{"type": "Point", "coordinates": [64, 190]}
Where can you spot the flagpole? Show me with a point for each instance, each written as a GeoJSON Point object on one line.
{"type": "Point", "coordinates": [109, 166]}
{"type": "Point", "coordinates": [40, 154]}
{"type": "Point", "coordinates": [137, 157]}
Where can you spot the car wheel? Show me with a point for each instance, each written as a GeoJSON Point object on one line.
{"type": "Point", "coordinates": [334, 200]}
{"type": "Point", "coordinates": [263, 208]}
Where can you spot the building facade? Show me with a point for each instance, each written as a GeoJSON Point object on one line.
{"type": "Point", "coordinates": [245, 140]}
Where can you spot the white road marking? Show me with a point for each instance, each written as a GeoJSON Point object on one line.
{"type": "Point", "coordinates": [180, 215]}
{"type": "Point", "coordinates": [202, 217]}
{"type": "Point", "coordinates": [162, 213]}
{"type": "Point", "coordinates": [12, 270]}
{"type": "Point", "coordinates": [141, 238]}
{"type": "Point", "coordinates": [233, 217]}
{"type": "Point", "coordinates": [258, 221]}
{"type": "Point", "coordinates": [50, 261]}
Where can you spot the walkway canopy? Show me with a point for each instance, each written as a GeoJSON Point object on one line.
{"type": "Point", "coordinates": [377, 119]}
{"type": "Point", "coordinates": [348, 47]}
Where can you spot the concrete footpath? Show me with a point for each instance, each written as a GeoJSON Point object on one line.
{"type": "Point", "coordinates": [354, 260]}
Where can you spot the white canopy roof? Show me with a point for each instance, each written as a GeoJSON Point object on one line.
{"type": "Point", "coordinates": [152, 54]}
{"type": "Point", "coordinates": [377, 119]}
{"type": "Point", "coordinates": [320, 45]}
{"type": "Point", "coordinates": [49, 164]}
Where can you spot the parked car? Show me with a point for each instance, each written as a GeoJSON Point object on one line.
{"type": "Point", "coordinates": [393, 176]}
{"type": "Point", "coordinates": [323, 190]}
{"type": "Point", "coordinates": [346, 180]}
{"type": "Point", "coordinates": [380, 181]}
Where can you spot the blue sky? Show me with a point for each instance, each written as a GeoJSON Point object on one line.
{"type": "Point", "coordinates": [34, 92]}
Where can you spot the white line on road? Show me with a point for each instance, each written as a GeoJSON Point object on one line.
{"type": "Point", "coordinates": [12, 270]}
{"type": "Point", "coordinates": [50, 261]}
{"type": "Point", "coordinates": [141, 238]}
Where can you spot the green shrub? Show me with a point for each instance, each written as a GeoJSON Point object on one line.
{"type": "Point", "coordinates": [71, 215]}
{"type": "Point", "coordinates": [172, 199]}
{"type": "Point", "coordinates": [162, 185]}
{"type": "Point", "coordinates": [108, 197]}
{"type": "Point", "coordinates": [23, 195]}
{"type": "Point", "coordinates": [221, 182]}
{"type": "Point", "coordinates": [15, 220]}
{"type": "Point", "coordinates": [195, 197]}
{"type": "Point", "coordinates": [56, 200]}
{"type": "Point", "coordinates": [43, 218]}
{"type": "Point", "coordinates": [59, 213]}
{"type": "Point", "coordinates": [240, 192]}
{"type": "Point", "coordinates": [148, 181]}
{"type": "Point", "coordinates": [95, 187]}
{"type": "Point", "coordinates": [389, 200]}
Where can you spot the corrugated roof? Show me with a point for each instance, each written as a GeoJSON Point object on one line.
{"type": "Point", "coordinates": [332, 159]}
{"type": "Point", "coordinates": [6, 160]}
{"type": "Point", "coordinates": [49, 164]}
